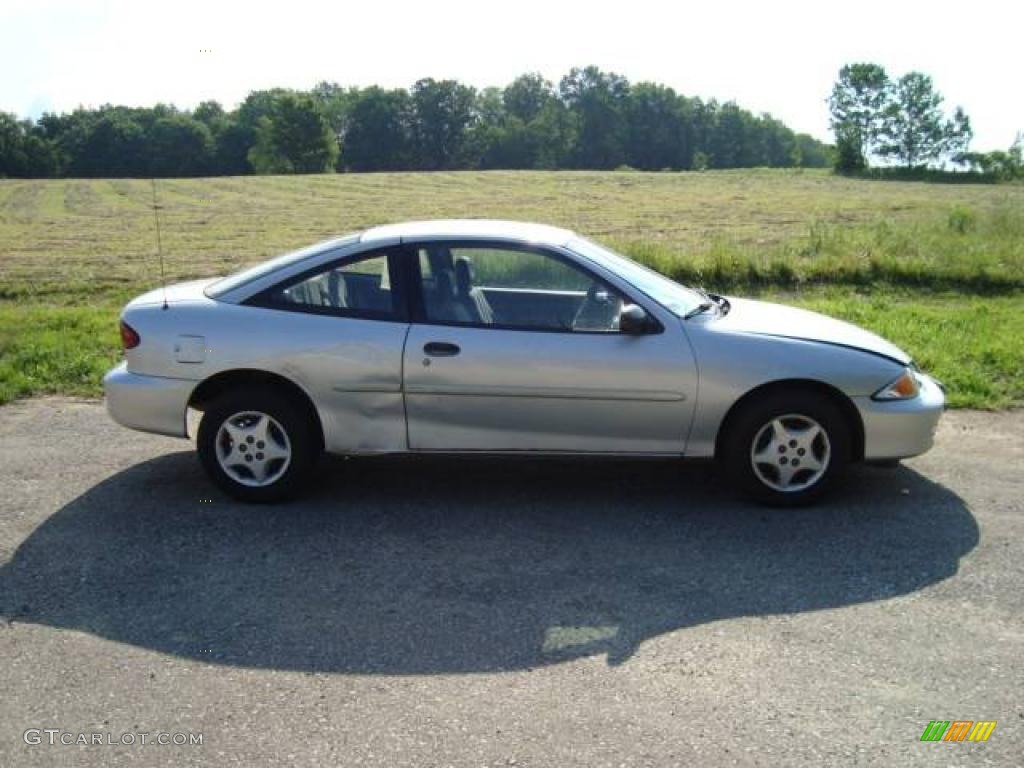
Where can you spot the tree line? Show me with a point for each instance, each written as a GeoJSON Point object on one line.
{"type": "Point", "coordinates": [591, 120]}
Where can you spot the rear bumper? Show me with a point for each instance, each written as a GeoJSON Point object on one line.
{"type": "Point", "coordinates": [147, 403]}
{"type": "Point", "coordinates": [904, 428]}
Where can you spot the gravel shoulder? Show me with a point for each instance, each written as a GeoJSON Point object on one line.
{"type": "Point", "coordinates": [420, 612]}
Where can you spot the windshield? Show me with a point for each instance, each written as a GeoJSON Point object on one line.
{"type": "Point", "coordinates": [240, 278]}
{"type": "Point", "coordinates": [676, 298]}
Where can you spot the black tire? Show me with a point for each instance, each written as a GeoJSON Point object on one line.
{"type": "Point", "coordinates": [300, 437]}
{"type": "Point", "coordinates": [796, 409]}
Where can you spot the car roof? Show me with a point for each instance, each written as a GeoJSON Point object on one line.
{"type": "Point", "coordinates": [469, 229]}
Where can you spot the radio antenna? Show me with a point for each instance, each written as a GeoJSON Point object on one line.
{"type": "Point", "coordinates": [159, 245]}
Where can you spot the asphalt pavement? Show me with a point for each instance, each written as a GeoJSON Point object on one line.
{"type": "Point", "coordinates": [434, 612]}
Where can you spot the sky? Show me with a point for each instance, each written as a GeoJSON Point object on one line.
{"type": "Point", "coordinates": [779, 57]}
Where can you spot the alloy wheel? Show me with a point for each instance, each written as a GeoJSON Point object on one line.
{"type": "Point", "coordinates": [253, 448]}
{"type": "Point", "coordinates": [790, 453]}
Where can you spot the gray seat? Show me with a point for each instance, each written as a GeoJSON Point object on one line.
{"type": "Point", "coordinates": [337, 290]}
{"type": "Point", "coordinates": [317, 291]}
{"type": "Point", "coordinates": [470, 298]}
{"type": "Point", "coordinates": [442, 303]}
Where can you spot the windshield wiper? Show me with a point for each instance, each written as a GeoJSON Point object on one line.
{"type": "Point", "coordinates": [711, 301]}
{"type": "Point", "coordinates": [704, 306]}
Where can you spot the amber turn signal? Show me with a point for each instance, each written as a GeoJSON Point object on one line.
{"type": "Point", "coordinates": [904, 388]}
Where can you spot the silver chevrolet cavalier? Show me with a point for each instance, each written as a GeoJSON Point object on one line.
{"type": "Point", "coordinates": [506, 338]}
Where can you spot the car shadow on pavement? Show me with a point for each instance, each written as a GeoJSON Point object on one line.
{"type": "Point", "coordinates": [433, 565]}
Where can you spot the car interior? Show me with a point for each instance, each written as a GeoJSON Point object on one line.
{"type": "Point", "coordinates": [517, 293]}
{"type": "Point", "coordinates": [362, 285]}
{"type": "Point", "coordinates": [523, 290]}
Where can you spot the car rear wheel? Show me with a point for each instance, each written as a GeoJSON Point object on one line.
{"type": "Point", "coordinates": [787, 448]}
{"type": "Point", "coordinates": [257, 446]}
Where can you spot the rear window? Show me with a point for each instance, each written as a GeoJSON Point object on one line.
{"type": "Point", "coordinates": [249, 274]}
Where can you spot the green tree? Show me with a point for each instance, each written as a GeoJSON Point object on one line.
{"type": "Point", "coordinates": [915, 131]}
{"type": "Point", "coordinates": [490, 106]}
{"type": "Point", "coordinates": [443, 111]}
{"type": "Point", "coordinates": [209, 113]}
{"type": "Point", "coordinates": [729, 146]}
{"type": "Point", "coordinates": [524, 126]}
{"type": "Point", "coordinates": [858, 104]}
{"type": "Point", "coordinates": [958, 133]}
{"type": "Point", "coordinates": [849, 154]}
{"type": "Point", "coordinates": [294, 138]}
{"type": "Point", "coordinates": [229, 148]}
{"type": "Point", "coordinates": [701, 116]}
{"type": "Point", "coordinates": [379, 132]}
{"type": "Point", "coordinates": [336, 104]}
{"type": "Point", "coordinates": [813, 154]}
{"type": "Point", "coordinates": [232, 142]}
{"type": "Point", "coordinates": [508, 144]}
{"type": "Point", "coordinates": [112, 146]}
{"type": "Point", "coordinates": [598, 102]}
{"type": "Point", "coordinates": [527, 95]}
{"type": "Point", "coordinates": [773, 144]}
{"type": "Point", "coordinates": [658, 135]}
{"type": "Point", "coordinates": [179, 145]}
{"type": "Point", "coordinates": [1004, 165]}
{"type": "Point", "coordinates": [25, 152]}
{"type": "Point", "coordinates": [237, 136]}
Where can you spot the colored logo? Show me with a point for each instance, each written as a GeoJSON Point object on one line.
{"type": "Point", "coordinates": [958, 730]}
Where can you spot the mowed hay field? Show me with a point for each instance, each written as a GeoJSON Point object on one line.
{"type": "Point", "coordinates": [938, 268]}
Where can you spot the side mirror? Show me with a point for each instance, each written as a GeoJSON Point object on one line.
{"type": "Point", "coordinates": [633, 319]}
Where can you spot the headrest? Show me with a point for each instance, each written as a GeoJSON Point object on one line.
{"type": "Point", "coordinates": [463, 275]}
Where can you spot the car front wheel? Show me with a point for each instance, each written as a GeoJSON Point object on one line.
{"type": "Point", "coordinates": [787, 449]}
{"type": "Point", "coordinates": [256, 446]}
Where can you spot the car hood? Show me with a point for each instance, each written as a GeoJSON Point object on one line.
{"type": "Point", "coordinates": [767, 319]}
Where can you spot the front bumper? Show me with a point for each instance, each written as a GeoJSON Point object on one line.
{"type": "Point", "coordinates": [147, 403]}
{"type": "Point", "coordinates": [902, 428]}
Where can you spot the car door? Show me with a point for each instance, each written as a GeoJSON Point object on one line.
{"type": "Point", "coordinates": [517, 348]}
{"type": "Point", "coordinates": [339, 331]}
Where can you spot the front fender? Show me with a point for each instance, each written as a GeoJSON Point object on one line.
{"type": "Point", "coordinates": [733, 364]}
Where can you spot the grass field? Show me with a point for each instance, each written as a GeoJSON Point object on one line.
{"type": "Point", "coordinates": [937, 268]}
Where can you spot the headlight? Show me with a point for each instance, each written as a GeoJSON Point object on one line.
{"type": "Point", "coordinates": [905, 387]}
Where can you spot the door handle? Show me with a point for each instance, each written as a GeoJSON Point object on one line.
{"type": "Point", "coordinates": [441, 349]}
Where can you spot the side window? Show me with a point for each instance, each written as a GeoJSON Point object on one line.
{"type": "Point", "coordinates": [361, 288]}
{"type": "Point", "coordinates": [511, 288]}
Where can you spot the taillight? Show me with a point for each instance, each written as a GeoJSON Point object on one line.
{"type": "Point", "coordinates": [129, 338]}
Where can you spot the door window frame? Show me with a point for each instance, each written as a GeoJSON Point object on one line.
{"type": "Point", "coordinates": [417, 308]}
